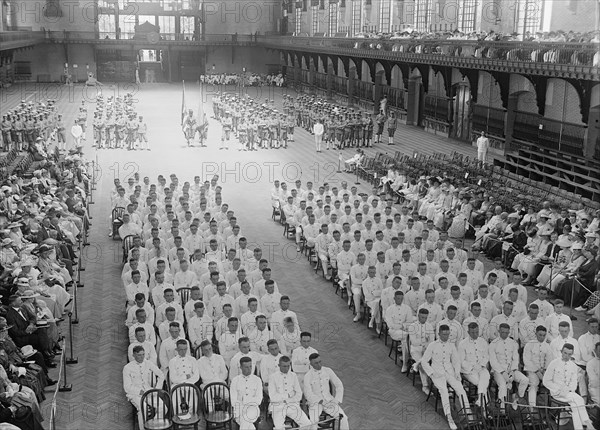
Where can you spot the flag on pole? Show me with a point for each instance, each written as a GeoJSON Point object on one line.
{"type": "Point", "coordinates": [183, 108]}
{"type": "Point", "coordinates": [201, 116]}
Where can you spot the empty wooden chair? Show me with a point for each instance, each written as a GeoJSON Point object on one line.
{"type": "Point", "coordinates": [217, 408]}
{"type": "Point", "coordinates": [156, 410]}
{"type": "Point", "coordinates": [186, 401]}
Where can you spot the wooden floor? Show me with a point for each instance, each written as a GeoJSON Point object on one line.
{"type": "Point", "coordinates": [377, 395]}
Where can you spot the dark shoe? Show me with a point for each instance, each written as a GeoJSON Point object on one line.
{"type": "Point", "coordinates": [50, 382]}
{"type": "Point", "coordinates": [51, 365]}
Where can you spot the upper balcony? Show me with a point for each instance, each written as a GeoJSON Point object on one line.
{"type": "Point", "coordinates": [566, 60]}
{"type": "Point", "coordinates": [17, 39]}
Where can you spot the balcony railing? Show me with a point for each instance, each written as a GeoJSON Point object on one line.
{"type": "Point", "coordinates": [18, 39]}
{"type": "Point", "coordinates": [574, 54]}
{"type": "Point", "coordinates": [114, 38]}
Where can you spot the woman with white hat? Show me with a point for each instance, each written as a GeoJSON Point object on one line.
{"type": "Point", "coordinates": [19, 396]}
{"type": "Point", "coordinates": [8, 256]}
{"type": "Point", "coordinates": [555, 267]}
{"type": "Point", "coordinates": [577, 259]}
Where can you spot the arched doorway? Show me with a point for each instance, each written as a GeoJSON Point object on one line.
{"type": "Point", "coordinates": [462, 112]}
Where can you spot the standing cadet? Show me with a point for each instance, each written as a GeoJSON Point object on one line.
{"type": "Point", "coordinates": [60, 134]}
{"type": "Point", "coordinates": [6, 133]}
{"type": "Point", "coordinates": [142, 128]}
{"type": "Point", "coordinates": [226, 123]}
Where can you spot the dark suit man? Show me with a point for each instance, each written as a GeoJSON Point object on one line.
{"type": "Point", "coordinates": [551, 253]}
{"type": "Point", "coordinates": [23, 331]}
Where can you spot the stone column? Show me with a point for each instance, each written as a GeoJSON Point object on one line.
{"type": "Point", "coordinates": [378, 91]}
{"type": "Point", "coordinates": [351, 85]}
{"type": "Point", "coordinates": [414, 100]}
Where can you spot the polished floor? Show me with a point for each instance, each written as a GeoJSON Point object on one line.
{"type": "Point", "coordinates": [377, 395]}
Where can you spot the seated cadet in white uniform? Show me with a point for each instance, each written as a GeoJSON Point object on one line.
{"type": "Point", "coordinates": [318, 392]}
{"type": "Point", "coordinates": [300, 356]}
{"type": "Point", "coordinates": [504, 361]}
{"type": "Point", "coordinates": [561, 379]}
{"type": "Point", "coordinates": [246, 395]}
{"type": "Point", "coordinates": [285, 395]}
{"type": "Point", "coordinates": [183, 367]}
{"type": "Point", "coordinates": [140, 339]}
{"type": "Point", "coordinates": [474, 359]}
{"type": "Point", "coordinates": [441, 362]}
{"type": "Point", "coordinates": [270, 363]}
{"type": "Point", "coordinates": [139, 376]}
{"type": "Point", "coordinates": [228, 341]}
{"type": "Point", "coordinates": [398, 317]}
{"type": "Point", "coordinates": [421, 334]}
{"type": "Point", "coordinates": [593, 371]}
{"type": "Point", "coordinates": [244, 351]}
{"type": "Point", "coordinates": [537, 355]}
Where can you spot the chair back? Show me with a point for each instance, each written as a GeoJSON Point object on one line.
{"type": "Point", "coordinates": [215, 397]}
{"type": "Point", "coordinates": [185, 399]}
{"type": "Point", "coordinates": [184, 294]}
{"type": "Point", "coordinates": [127, 245]}
{"type": "Point", "coordinates": [156, 409]}
{"type": "Point", "coordinates": [117, 213]}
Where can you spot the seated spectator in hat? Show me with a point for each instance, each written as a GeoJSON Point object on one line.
{"type": "Point", "coordinates": [36, 376]}
{"type": "Point", "coordinates": [576, 259]}
{"type": "Point", "coordinates": [8, 255]}
{"type": "Point", "coordinates": [578, 284]}
{"type": "Point", "coordinates": [50, 267]}
{"type": "Point", "coordinates": [39, 313]}
{"type": "Point", "coordinates": [14, 392]}
{"type": "Point", "coordinates": [23, 330]}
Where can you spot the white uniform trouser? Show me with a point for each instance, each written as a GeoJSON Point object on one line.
{"type": "Point", "coordinates": [582, 382]}
{"type": "Point", "coordinates": [481, 154]}
{"type": "Point", "coordinates": [534, 384]}
{"type": "Point", "coordinates": [594, 393]}
{"type": "Point", "coordinates": [291, 410]}
{"type": "Point", "coordinates": [318, 141]}
{"type": "Point", "coordinates": [578, 411]}
{"type": "Point", "coordinates": [442, 386]}
{"type": "Point", "coordinates": [322, 255]}
{"type": "Point", "coordinates": [481, 378]}
{"type": "Point", "coordinates": [246, 415]}
{"type": "Point", "coordinates": [416, 353]}
{"type": "Point", "coordinates": [501, 381]}
{"type": "Point", "coordinates": [143, 139]}
{"type": "Point", "coordinates": [357, 294]}
{"type": "Point", "coordinates": [401, 335]}
{"type": "Point", "coordinates": [374, 306]}
{"type": "Point", "coordinates": [331, 408]}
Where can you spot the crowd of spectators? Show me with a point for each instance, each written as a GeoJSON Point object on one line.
{"type": "Point", "coordinates": [540, 36]}
{"type": "Point", "coordinates": [426, 43]}
{"type": "Point", "coordinates": [42, 221]}
{"type": "Point", "coordinates": [249, 79]}
{"type": "Point", "coordinates": [454, 322]}
{"type": "Point", "coordinates": [203, 307]}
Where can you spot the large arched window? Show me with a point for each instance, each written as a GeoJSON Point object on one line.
{"type": "Point", "coordinates": [357, 11]}
{"type": "Point", "coordinates": [467, 15]}
{"type": "Point", "coordinates": [333, 17]}
{"type": "Point", "coordinates": [385, 15]}
{"type": "Point", "coordinates": [424, 10]}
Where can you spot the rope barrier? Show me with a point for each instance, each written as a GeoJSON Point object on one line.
{"type": "Point", "coordinates": [504, 402]}
{"type": "Point", "coordinates": [56, 389]}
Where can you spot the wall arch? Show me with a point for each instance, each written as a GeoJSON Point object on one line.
{"type": "Point", "coordinates": [563, 102]}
